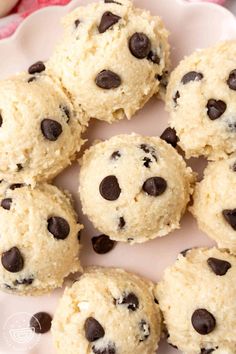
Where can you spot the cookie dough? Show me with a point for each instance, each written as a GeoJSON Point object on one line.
{"type": "Point", "coordinates": [197, 298]}
{"type": "Point", "coordinates": [214, 202]}
{"type": "Point", "coordinates": [108, 311]}
{"type": "Point", "coordinates": [39, 243]}
{"type": "Point", "coordinates": [201, 98]}
{"type": "Point", "coordinates": [140, 189]}
{"type": "Point", "coordinates": [111, 59]}
{"type": "Point", "coordinates": [40, 132]}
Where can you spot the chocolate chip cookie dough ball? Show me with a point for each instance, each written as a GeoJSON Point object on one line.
{"type": "Point", "coordinates": [201, 98]}
{"type": "Point", "coordinates": [134, 188]}
{"type": "Point", "coordinates": [197, 298]}
{"type": "Point", "coordinates": [39, 243]}
{"type": "Point", "coordinates": [214, 202]}
{"type": "Point", "coordinates": [108, 311]}
{"type": "Point", "coordinates": [40, 132]}
{"type": "Point", "coordinates": [111, 59]}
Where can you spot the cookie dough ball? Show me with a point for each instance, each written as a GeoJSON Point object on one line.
{"type": "Point", "coordinates": [214, 202]}
{"type": "Point", "coordinates": [201, 98]}
{"type": "Point", "coordinates": [111, 59]}
{"type": "Point", "coordinates": [108, 311]}
{"type": "Point", "coordinates": [39, 129]}
{"type": "Point", "coordinates": [39, 243]}
{"type": "Point", "coordinates": [197, 298]}
{"type": "Point", "coordinates": [134, 188]}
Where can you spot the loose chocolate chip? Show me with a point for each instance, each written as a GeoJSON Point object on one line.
{"type": "Point", "coordinates": [139, 45]}
{"type": "Point", "coordinates": [203, 321]}
{"type": "Point", "coordinates": [121, 222]}
{"type": "Point", "coordinates": [19, 167]}
{"type": "Point", "coordinates": [207, 351]}
{"type": "Point", "coordinates": [109, 188]}
{"type": "Point", "coordinates": [31, 79]}
{"type": "Point", "coordinates": [109, 350]}
{"type": "Point", "coordinates": [6, 203]}
{"type": "Point", "coordinates": [155, 186]}
{"type": "Point", "coordinates": [58, 227]}
{"type": "Point", "coordinates": [191, 76]}
{"type": "Point", "coordinates": [232, 80]}
{"type": "Point", "coordinates": [12, 260]}
{"type": "Point", "coordinates": [154, 57]}
{"type": "Point", "coordinates": [102, 244]}
{"type": "Point", "coordinates": [115, 155]}
{"type": "Point", "coordinates": [37, 67]}
{"type": "Point", "coordinates": [1, 120]}
{"type": "Point", "coordinates": [41, 322]}
{"type": "Point", "coordinates": [51, 129]}
{"type": "Point", "coordinates": [184, 252]}
{"type": "Point", "coordinates": [176, 97]}
{"type": "Point", "coordinates": [215, 108]}
{"type": "Point", "coordinates": [66, 111]}
{"type": "Point", "coordinates": [147, 162]}
{"type": "Point", "coordinates": [77, 22]}
{"type": "Point", "coordinates": [107, 80]}
{"type": "Point", "coordinates": [108, 20]}
{"type": "Point", "coordinates": [145, 329]}
{"type": "Point", "coordinates": [93, 330]}
{"type": "Point", "coordinates": [230, 217]}
{"type": "Point", "coordinates": [130, 300]}
{"type": "Point", "coordinates": [15, 186]}
{"type": "Point", "coordinates": [218, 266]}
{"type": "Point", "coordinates": [170, 136]}
{"type": "Point", "coordinates": [26, 281]}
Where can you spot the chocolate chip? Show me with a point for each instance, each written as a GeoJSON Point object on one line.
{"type": "Point", "coordinates": [156, 301]}
{"type": "Point", "coordinates": [102, 244]}
{"type": "Point", "coordinates": [170, 136]}
{"type": "Point", "coordinates": [16, 185]}
{"type": "Point", "coordinates": [19, 167]}
{"type": "Point", "coordinates": [115, 155]}
{"type": "Point", "coordinates": [155, 186]}
{"type": "Point", "coordinates": [37, 67]}
{"type": "Point", "coordinates": [121, 222]}
{"type": "Point", "coordinates": [145, 329]}
{"type": "Point", "coordinates": [93, 330]}
{"type": "Point", "coordinates": [130, 239]}
{"type": "Point", "coordinates": [108, 20]}
{"type": "Point", "coordinates": [230, 217]}
{"type": "Point", "coordinates": [215, 108]}
{"type": "Point", "coordinates": [31, 79]}
{"type": "Point", "coordinates": [218, 266]}
{"type": "Point", "coordinates": [41, 322]}
{"type": "Point", "coordinates": [232, 80]}
{"type": "Point", "coordinates": [203, 321]}
{"type": "Point", "coordinates": [154, 57]}
{"type": "Point", "coordinates": [66, 111]}
{"type": "Point", "coordinates": [1, 120]}
{"type": "Point", "coordinates": [51, 129]}
{"type": "Point", "coordinates": [207, 351]}
{"type": "Point", "coordinates": [109, 188]}
{"type": "Point", "coordinates": [147, 162]}
{"type": "Point", "coordinates": [191, 76]}
{"type": "Point", "coordinates": [176, 97]}
{"type": "Point", "coordinates": [184, 252]}
{"type": "Point", "coordinates": [12, 260]}
{"type": "Point", "coordinates": [25, 281]}
{"type": "Point", "coordinates": [173, 346]}
{"type": "Point", "coordinates": [107, 80]}
{"type": "Point", "coordinates": [108, 350]}
{"type": "Point", "coordinates": [139, 45]}
{"type": "Point", "coordinates": [148, 149]}
{"type": "Point", "coordinates": [112, 2]}
{"type": "Point", "coordinates": [6, 203]}
{"type": "Point", "coordinates": [58, 227]}
{"type": "Point", "coordinates": [77, 22]}
{"type": "Point", "coordinates": [130, 300]}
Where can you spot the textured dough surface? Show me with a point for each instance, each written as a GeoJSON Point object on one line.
{"type": "Point", "coordinates": [84, 52]}
{"type": "Point", "coordinates": [99, 294]}
{"type": "Point", "coordinates": [25, 154]}
{"type": "Point", "coordinates": [191, 284]}
{"type": "Point", "coordinates": [145, 216]}
{"type": "Point", "coordinates": [47, 260]}
{"type": "Point", "coordinates": [198, 134]}
{"type": "Point", "coordinates": [214, 194]}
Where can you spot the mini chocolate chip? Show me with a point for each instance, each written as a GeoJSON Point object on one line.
{"type": "Point", "coordinates": [79, 236]}
{"type": "Point", "coordinates": [130, 300]}
{"type": "Point", "coordinates": [1, 120]}
{"type": "Point", "coordinates": [108, 20]}
{"type": "Point", "coordinates": [218, 266]}
{"type": "Point", "coordinates": [25, 281]}
{"type": "Point", "coordinates": [77, 22]}
{"type": "Point", "coordinates": [121, 222]}
{"type": "Point", "coordinates": [109, 188]}
{"type": "Point", "coordinates": [184, 252]}
{"type": "Point", "coordinates": [215, 108]}
{"type": "Point", "coordinates": [154, 57]}
{"type": "Point", "coordinates": [191, 76]}
{"type": "Point", "coordinates": [170, 136]}
{"type": "Point", "coordinates": [112, 2]}
{"type": "Point", "coordinates": [230, 217]}
{"type": "Point", "coordinates": [155, 186]}
{"type": "Point", "coordinates": [176, 97]}
{"type": "Point", "coordinates": [107, 80]}
{"type": "Point", "coordinates": [147, 162]}
{"type": "Point", "coordinates": [37, 67]}
{"type": "Point", "coordinates": [6, 203]}
{"type": "Point", "coordinates": [203, 321]}
{"type": "Point", "coordinates": [139, 45]}
{"type": "Point", "coordinates": [102, 244]}
{"type": "Point", "coordinates": [66, 111]}
{"type": "Point", "coordinates": [51, 129]}
{"type": "Point", "coordinates": [41, 322]}
{"type": "Point", "coordinates": [12, 260]}
{"type": "Point", "coordinates": [108, 350]}
{"type": "Point", "coordinates": [145, 328]}
{"type": "Point", "coordinates": [16, 185]}
{"type": "Point", "coordinates": [93, 330]}
{"type": "Point", "coordinates": [31, 79]}
{"type": "Point", "coordinates": [115, 155]}
{"type": "Point", "coordinates": [19, 167]}
{"type": "Point", "coordinates": [148, 149]}
{"type": "Point", "coordinates": [156, 301]}
{"type": "Point", "coordinates": [130, 239]}
{"type": "Point", "coordinates": [58, 227]}
{"type": "Point", "coordinates": [207, 351]}
{"type": "Point", "coordinates": [232, 80]}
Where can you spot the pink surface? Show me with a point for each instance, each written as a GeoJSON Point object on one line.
{"type": "Point", "coordinates": [192, 26]}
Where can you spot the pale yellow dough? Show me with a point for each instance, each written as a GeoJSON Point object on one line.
{"type": "Point", "coordinates": [83, 52]}
{"type": "Point", "coordinates": [198, 134]}
{"type": "Point", "coordinates": [145, 216]}
{"type": "Point", "coordinates": [47, 260]}
{"type": "Point", "coordinates": [99, 294]}
{"type": "Point", "coordinates": [191, 284]}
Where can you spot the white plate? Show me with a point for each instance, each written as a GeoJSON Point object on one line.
{"type": "Point", "coordinates": [192, 26]}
